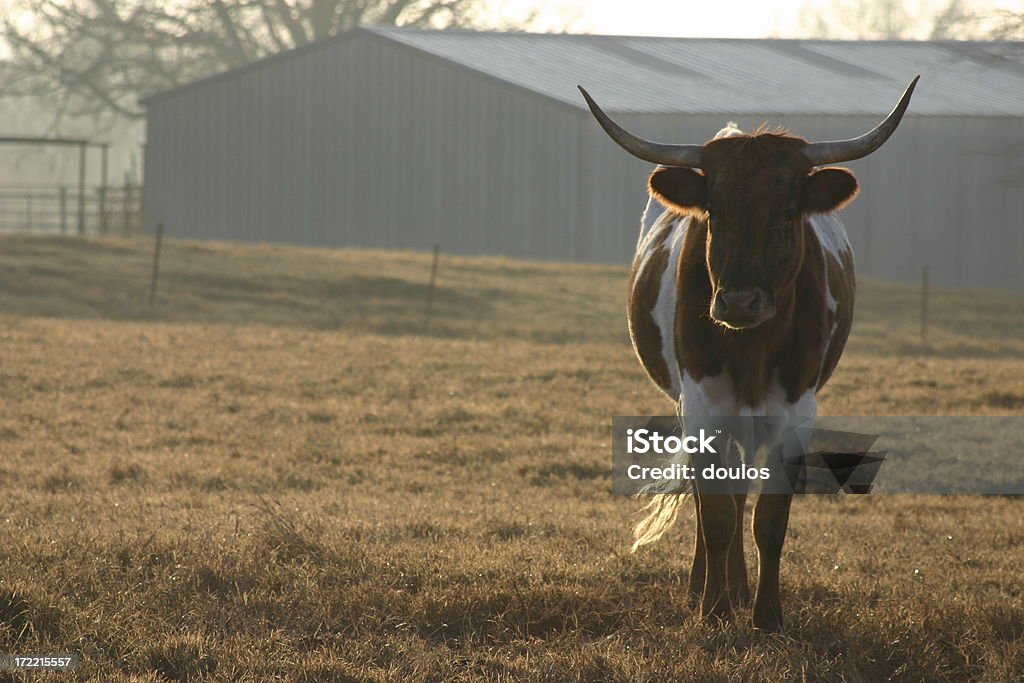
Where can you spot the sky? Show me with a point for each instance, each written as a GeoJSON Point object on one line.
{"type": "Point", "coordinates": [710, 18]}
{"type": "Point", "coordinates": [742, 19]}
{"type": "Point", "coordinates": [700, 18]}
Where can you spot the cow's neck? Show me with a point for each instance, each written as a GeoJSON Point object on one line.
{"type": "Point", "coordinates": [777, 351]}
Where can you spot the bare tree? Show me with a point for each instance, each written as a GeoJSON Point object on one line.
{"type": "Point", "coordinates": [856, 19]}
{"type": "Point", "coordinates": [891, 20]}
{"type": "Point", "coordinates": [949, 21]}
{"type": "Point", "coordinates": [998, 24]}
{"type": "Point", "coordinates": [96, 58]}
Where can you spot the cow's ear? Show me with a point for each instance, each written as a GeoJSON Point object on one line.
{"type": "Point", "coordinates": [679, 189]}
{"type": "Point", "coordinates": [828, 189]}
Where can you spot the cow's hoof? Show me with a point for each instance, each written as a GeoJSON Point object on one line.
{"type": "Point", "coordinates": [768, 620]}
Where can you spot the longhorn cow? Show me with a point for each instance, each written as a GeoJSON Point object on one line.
{"type": "Point", "coordinates": [741, 301]}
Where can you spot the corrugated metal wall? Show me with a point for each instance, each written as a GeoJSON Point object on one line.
{"type": "Point", "coordinates": [365, 143]}
{"type": "Point", "coordinates": [362, 143]}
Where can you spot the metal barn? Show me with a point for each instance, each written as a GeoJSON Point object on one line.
{"type": "Point", "coordinates": [480, 142]}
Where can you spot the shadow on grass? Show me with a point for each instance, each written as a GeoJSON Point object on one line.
{"type": "Point", "coordinates": [387, 293]}
{"type": "Point", "coordinates": [110, 279]}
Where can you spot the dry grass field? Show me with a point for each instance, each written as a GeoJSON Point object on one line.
{"type": "Point", "coordinates": [276, 475]}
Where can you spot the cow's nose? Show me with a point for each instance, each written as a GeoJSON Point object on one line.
{"type": "Point", "coordinates": [740, 303]}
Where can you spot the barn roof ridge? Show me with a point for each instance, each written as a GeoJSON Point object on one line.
{"type": "Point", "coordinates": [667, 75]}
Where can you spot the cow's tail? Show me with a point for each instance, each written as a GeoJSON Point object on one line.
{"type": "Point", "coordinates": [661, 511]}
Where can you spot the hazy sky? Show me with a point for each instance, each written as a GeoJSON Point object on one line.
{"type": "Point", "coordinates": [724, 18]}
{"type": "Point", "coordinates": [742, 18]}
{"type": "Point", "coordinates": [711, 18]}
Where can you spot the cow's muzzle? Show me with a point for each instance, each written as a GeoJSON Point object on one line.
{"type": "Point", "coordinates": [742, 308]}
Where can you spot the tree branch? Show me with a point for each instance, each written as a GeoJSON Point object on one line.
{"type": "Point", "coordinates": [99, 57]}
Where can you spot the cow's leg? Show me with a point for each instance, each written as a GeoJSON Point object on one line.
{"type": "Point", "coordinates": [771, 517]}
{"type": "Point", "coordinates": [698, 568]}
{"type": "Point", "coordinates": [739, 590]}
{"type": "Point", "coordinates": [717, 522]}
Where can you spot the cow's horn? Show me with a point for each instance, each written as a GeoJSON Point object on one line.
{"type": "Point", "coordinates": [821, 153]}
{"type": "Point", "coordinates": [654, 152]}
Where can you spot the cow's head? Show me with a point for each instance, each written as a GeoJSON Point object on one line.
{"type": "Point", "coordinates": [755, 191]}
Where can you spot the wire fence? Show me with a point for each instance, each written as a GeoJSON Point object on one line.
{"type": "Point", "coordinates": [66, 211]}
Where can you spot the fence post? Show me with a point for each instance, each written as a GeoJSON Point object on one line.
{"type": "Point", "coordinates": [924, 302]}
{"type": "Point", "coordinates": [63, 210]}
{"type": "Point", "coordinates": [156, 264]}
{"type": "Point", "coordinates": [125, 199]}
{"type": "Point", "coordinates": [103, 188]}
{"type": "Point", "coordinates": [430, 289]}
{"type": "Point", "coordinates": [81, 189]}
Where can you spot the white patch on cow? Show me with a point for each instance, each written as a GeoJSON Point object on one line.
{"type": "Point", "coordinates": [710, 397]}
{"type": "Point", "coordinates": [653, 212]}
{"type": "Point", "coordinates": [715, 397]}
{"type": "Point", "coordinates": [831, 234]}
{"type": "Point", "coordinates": [645, 246]}
{"type": "Point", "coordinates": [786, 434]}
{"type": "Point", "coordinates": [833, 306]}
{"type": "Point", "coordinates": [806, 405]}
{"type": "Point", "coordinates": [834, 245]}
{"type": "Point", "coordinates": [756, 442]}
{"type": "Point", "coordinates": [698, 405]}
{"type": "Point", "coordinates": [731, 130]}
{"type": "Point", "coordinates": [830, 300]}
{"type": "Point", "coordinates": [664, 311]}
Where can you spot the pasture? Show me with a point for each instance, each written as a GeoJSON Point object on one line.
{"type": "Point", "coordinates": [276, 475]}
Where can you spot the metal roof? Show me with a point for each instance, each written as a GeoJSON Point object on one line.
{"type": "Point", "coordinates": [718, 75]}
{"type": "Point", "coordinates": [759, 76]}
